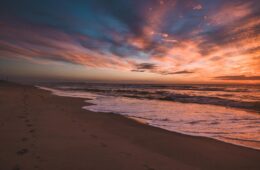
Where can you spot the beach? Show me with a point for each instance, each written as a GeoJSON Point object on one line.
{"type": "Point", "coordinates": [43, 131]}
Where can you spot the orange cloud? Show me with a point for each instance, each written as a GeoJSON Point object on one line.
{"type": "Point", "coordinates": [225, 43]}
{"type": "Point", "coordinates": [31, 43]}
{"type": "Point", "coordinates": [230, 12]}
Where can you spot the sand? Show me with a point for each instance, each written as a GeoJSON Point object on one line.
{"type": "Point", "coordinates": [41, 131]}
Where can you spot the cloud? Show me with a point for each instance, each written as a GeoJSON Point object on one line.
{"type": "Point", "coordinates": [143, 67]}
{"type": "Point", "coordinates": [32, 42]}
{"type": "Point", "coordinates": [153, 68]}
{"type": "Point", "coordinates": [239, 11]}
{"type": "Point", "coordinates": [239, 77]}
{"type": "Point", "coordinates": [198, 7]}
{"type": "Point", "coordinates": [153, 36]}
{"type": "Point", "coordinates": [179, 72]}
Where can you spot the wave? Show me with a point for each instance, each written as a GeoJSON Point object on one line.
{"type": "Point", "coordinates": [243, 97]}
{"type": "Point", "coordinates": [214, 101]}
{"type": "Point", "coordinates": [183, 98]}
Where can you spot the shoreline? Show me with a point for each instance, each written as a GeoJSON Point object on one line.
{"type": "Point", "coordinates": [176, 132]}
{"type": "Point", "coordinates": [180, 133]}
{"type": "Point", "coordinates": [237, 142]}
{"type": "Point", "coordinates": [146, 124]}
{"type": "Point", "coordinates": [68, 136]}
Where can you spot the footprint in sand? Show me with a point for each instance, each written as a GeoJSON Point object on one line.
{"type": "Point", "coordinates": [22, 151]}
{"type": "Point", "coordinates": [37, 157]}
{"type": "Point", "coordinates": [16, 167]}
{"type": "Point", "coordinates": [24, 139]}
{"type": "Point", "coordinates": [32, 131]}
{"type": "Point", "coordinates": [148, 167]}
{"type": "Point", "coordinates": [93, 136]}
{"type": "Point", "coordinates": [21, 117]}
{"type": "Point", "coordinates": [126, 154]}
{"type": "Point", "coordinates": [29, 125]}
{"type": "Point", "coordinates": [103, 145]}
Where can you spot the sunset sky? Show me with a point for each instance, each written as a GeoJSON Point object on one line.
{"type": "Point", "coordinates": [160, 41]}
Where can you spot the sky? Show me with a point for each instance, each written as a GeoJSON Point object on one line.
{"type": "Point", "coordinates": [143, 41]}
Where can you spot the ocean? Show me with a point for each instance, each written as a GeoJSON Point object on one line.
{"type": "Point", "coordinates": [230, 113]}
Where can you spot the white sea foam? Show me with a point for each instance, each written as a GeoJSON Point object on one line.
{"type": "Point", "coordinates": [69, 93]}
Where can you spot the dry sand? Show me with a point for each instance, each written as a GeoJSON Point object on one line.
{"type": "Point", "coordinates": [42, 131]}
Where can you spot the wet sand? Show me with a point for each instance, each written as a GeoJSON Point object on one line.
{"type": "Point", "coordinates": [42, 131]}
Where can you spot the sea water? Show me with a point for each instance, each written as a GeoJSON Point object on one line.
{"type": "Point", "coordinates": [223, 112]}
